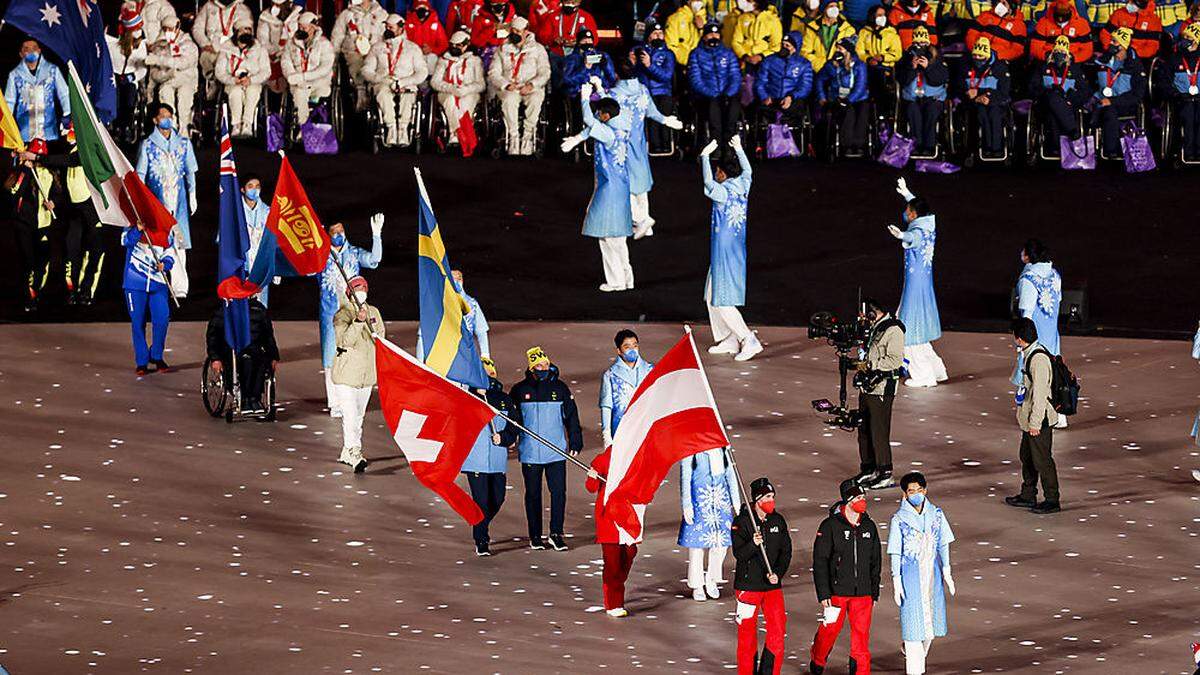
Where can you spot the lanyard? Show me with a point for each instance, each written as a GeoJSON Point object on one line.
{"type": "Point", "coordinates": [1193, 73]}
{"type": "Point", "coordinates": [920, 83]}
{"type": "Point", "coordinates": [235, 62]}
{"type": "Point", "coordinates": [226, 26]}
{"type": "Point", "coordinates": [517, 65]}
{"type": "Point", "coordinates": [1054, 76]}
{"type": "Point", "coordinates": [394, 59]}
{"type": "Point", "coordinates": [303, 60]}
{"type": "Point", "coordinates": [976, 81]}
{"type": "Point", "coordinates": [1110, 77]}
{"type": "Point", "coordinates": [574, 26]}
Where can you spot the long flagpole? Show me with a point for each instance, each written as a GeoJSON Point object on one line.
{"type": "Point", "coordinates": [732, 461]}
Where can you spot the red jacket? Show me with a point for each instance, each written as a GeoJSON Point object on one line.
{"type": "Point", "coordinates": [905, 21]}
{"type": "Point", "coordinates": [1048, 30]}
{"type": "Point", "coordinates": [429, 34]}
{"type": "Point", "coordinates": [483, 30]}
{"type": "Point", "coordinates": [461, 14]}
{"type": "Point", "coordinates": [606, 529]}
{"type": "Point", "coordinates": [556, 25]}
{"type": "Point", "coordinates": [1147, 29]}
{"type": "Point", "coordinates": [1006, 34]}
{"type": "Point", "coordinates": [539, 10]}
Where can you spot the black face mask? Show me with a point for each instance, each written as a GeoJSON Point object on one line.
{"type": "Point", "coordinates": [500, 10]}
{"type": "Point", "coordinates": [585, 46]}
{"type": "Point", "coordinates": [302, 35]}
{"type": "Point", "coordinates": [658, 44]}
{"type": "Point", "coordinates": [226, 2]}
{"type": "Point", "coordinates": [1062, 18]}
{"type": "Point", "coordinates": [838, 57]}
{"type": "Point", "coordinates": [712, 44]}
{"type": "Point", "coordinates": [245, 39]}
{"type": "Point", "coordinates": [389, 34]}
{"type": "Point", "coordinates": [1059, 60]}
{"type": "Point", "coordinates": [422, 14]}
{"type": "Point", "coordinates": [569, 9]}
{"type": "Point", "coordinates": [514, 39]}
{"type": "Point", "coordinates": [456, 50]}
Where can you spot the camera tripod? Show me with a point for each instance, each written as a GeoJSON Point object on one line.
{"type": "Point", "coordinates": [840, 416]}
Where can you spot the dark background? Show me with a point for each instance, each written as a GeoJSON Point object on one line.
{"type": "Point", "coordinates": [816, 233]}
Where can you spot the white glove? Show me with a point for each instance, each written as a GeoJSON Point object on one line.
{"type": "Point", "coordinates": [569, 143]}
{"type": "Point", "coordinates": [672, 122]}
{"type": "Point", "coordinates": [191, 203]}
{"type": "Point", "coordinates": [946, 576]}
{"type": "Point", "coordinates": [689, 516]}
{"type": "Point", "coordinates": [709, 149]}
{"type": "Point", "coordinates": [597, 83]}
{"type": "Point", "coordinates": [607, 438]}
{"type": "Point", "coordinates": [898, 590]}
{"type": "Point", "coordinates": [895, 232]}
{"type": "Point", "coordinates": [902, 189]}
{"type": "Point", "coordinates": [277, 280]}
{"type": "Point", "coordinates": [585, 92]}
{"type": "Point", "coordinates": [735, 142]}
{"type": "Point", "coordinates": [376, 224]}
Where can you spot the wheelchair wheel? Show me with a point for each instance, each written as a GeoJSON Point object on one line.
{"type": "Point", "coordinates": [269, 398]}
{"type": "Point", "coordinates": [212, 389]}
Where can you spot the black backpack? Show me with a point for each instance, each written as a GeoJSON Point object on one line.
{"type": "Point", "coordinates": [1064, 386]}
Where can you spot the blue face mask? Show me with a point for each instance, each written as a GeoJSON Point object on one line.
{"type": "Point", "coordinates": [166, 123]}
{"type": "Point", "coordinates": [904, 217]}
{"type": "Point", "coordinates": [630, 355]}
{"type": "Point", "coordinates": [252, 194]}
{"type": "Point", "coordinates": [32, 57]}
{"type": "Point", "coordinates": [916, 500]}
{"type": "Point", "coordinates": [338, 239]}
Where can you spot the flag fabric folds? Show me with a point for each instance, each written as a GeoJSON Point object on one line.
{"type": "Point", "coordinates": [10, 133]}
{"type": "Point", "coordinates": [294, 222]}
{"type": "Point", "coordinates": [450, 347]}
{"type": "Point", "coordinates": [118, 193]}
{"type": "Point", "coordinates": [433, 421]}
{"type": "Point", "coordinates": [233, 241]}
{"type": "Point", "coordinates": [74, 31]}
{"type": "Point", "coordinates": [671, 416]}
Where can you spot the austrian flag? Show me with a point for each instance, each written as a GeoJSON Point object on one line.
{"type": "Point", "coordinates": [671, 416]}
{"type": "Point", "coordinates": [434, 421]}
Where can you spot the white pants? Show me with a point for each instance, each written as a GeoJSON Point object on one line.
{"type": "Point", "coordinates": [454, 107]}
{"type": "Point", "coordinates": [304, 93]}
{"type": "Point", "coordinates": [725, 321]}
{"type": "Point", "coordinates": [924, 365]}
{"type": "Point", "coordinates": [697, 576]}
{"type": "Point", "coordinates": [243, 108]}
{"type": "Point", "coordinates": [331, 393]}
{"type": "Point", "coordinates": [353, 401]}
{"type": "Point", "coordinates": [640, 204]}
{"type": "Point", "coordinates": [614, 254]}
{"type": "Point", "coordinates": [354, 64]}
{"type": "Point", "coordinates": [914, 656]}
{"type": "Point", "coordinates": [179, 275]}
{"type": "Point", "coordinates": [179, 94]}
{"type": "Point", "coordinates": [397, 125]}
{"type": "Point", "coordinates": [520, 138]}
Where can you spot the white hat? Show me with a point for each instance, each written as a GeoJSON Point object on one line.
{"type": "Point", "coordinates": [243, 22]}
{"type": "Point", "coordinates": [307, 17]}
{"type": "Point", "coordinates": [520, 23]}
{"type": "Point", "coordinates": [394, 18]}
{"type": "Point", "coordinates": [460, 37]}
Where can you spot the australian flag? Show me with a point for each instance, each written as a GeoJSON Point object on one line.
{"type": "Point", "coordinates": [74, 31]}
{"type": "Point", "coordinates": [233, 244]}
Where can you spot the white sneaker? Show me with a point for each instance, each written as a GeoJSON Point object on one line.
{"type": "Point", "coordinates": [920, 383]}
{"type": "Point", "coordinates": [1196, 474]}
{"type": "Point", "coordinates": [712, 590]}
{"type": "Point", "coordinates": [335, 413]}
{"type": "Point", "coordinates": [643, 229]}
{"type": "Point", "coordinates": [347, 457]}
{"type": "Point", "coordinates": [699, 595]}
{"type": "Point", "coordinates": [610, 288]}
{"type": "Point", "coordinates": [750, 347]}
{"type": "Point", "coordinates": [727, 346]}
{"type": "Point", "coordinates": [618, 612]}
{"type": "Point", "coordinates": [1062, 422]}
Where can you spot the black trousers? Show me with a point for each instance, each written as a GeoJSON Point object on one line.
{"type": "Point", "coordinates": [252, 375]}
{"type": "Point", "coordinates": [1037, 461]}
{"type": "Point", "coordinates": [1107, 119]}
{"type": "Point", "coordinates": [84, 244]}
{"type": "Point", "coordinates": [875, 432]}
{"type": "Point", "coordinates": [487, 489]}
{"type": "Point", "coordinates": [723, 114]}
{"type": "Point", "coordinates": [1188, 111]}
{"type": "Point", "coordinates": [991, 126]}
{"type": "Point", "coordinates": [923, 113]}
{"type": "Point", "coordinates": [33, 245]}
{"type": "Point", "coordinates": [657, 135]}
{"type": "Point", "coordinates": [556, 481]}
{"type": "Point", "coordinates": [878, 84]}
{"type": "Point", "coordinates": [1058, 112]}
{"type": "Point", "coordinates": [851, 120]}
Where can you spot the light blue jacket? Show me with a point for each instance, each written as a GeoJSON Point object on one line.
{"type": "Point", "coordinates": [38, 100]}
{"type": "Point", "coordinates": [617, 385]}
{"type": "Point", "coordinates": [168, 166]}
{"type": "Point", "coordinates": [352, 259]}
{"type": "Point", "coordinates": [609, 213]}
{"type": "Point", "coordinates": [727, 266]}
{"type": "Point", "coordinates": [908, 536]}
{"type": "Point", "coordinates": [141, 272]}
{"type": "Point", "coordinates": [487, 457]}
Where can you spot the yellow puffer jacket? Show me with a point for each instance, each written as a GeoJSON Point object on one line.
{"type": "Point", "coordinates": [815, 50]}
{"type": "Point", "coordinates": [682, 35]}
{"type": "Point", "coordinates": [756, 34]}
{"type": "Point", "coordinates": [882, 44]}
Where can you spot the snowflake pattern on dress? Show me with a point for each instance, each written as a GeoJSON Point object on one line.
{"type": "Point", "coordinates": [734, 208]}
{"type": "Point", "coordinates": [712, 502]}
{"type": "Point", "coordinates": [165, 166]}
{"type": "Point", "coordinates": [922, 251]}
{"type": "Point", "coordinates": [1049, 291]}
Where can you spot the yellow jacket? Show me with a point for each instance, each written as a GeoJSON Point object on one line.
{"type": "Point", "coordinates": [800, 22]}
{"type": "Point", "coordinates": [883, 45]}
{"type": "Point", "coordinates": [815, 50]}
{"type": "Point", "coordinates": [970, 9]}
{"type": "Point", "coordinates": [758, 34]}
{"type": "Point", "coordinates": [682, 35]}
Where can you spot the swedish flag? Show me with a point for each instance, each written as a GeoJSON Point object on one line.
{"type": "Point", "coordinates": [450, 346]}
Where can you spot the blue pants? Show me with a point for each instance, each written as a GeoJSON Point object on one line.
{"type": "Point", "coordinates": [136, 302]}
{"type": "Point", "coordinates": [328, 340]}
{"type": "Point", "coordinates": [556, 481]}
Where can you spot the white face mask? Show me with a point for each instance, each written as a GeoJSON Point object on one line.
{"type": "Point", "coordinates": [1133, 9]}
{"type": "Point", "coordinates": [832, 11]}
{"type": "Point", "coordinates": [746, 5]}
{"type": "Point", "coordinates": [1001, 10]}
{"type": "Point", "coordinates": [697, 7]}
{"type": "Point", "coordinates": [361, 297]}
{"type": "Point", "coordinates": [813, 4]}
{"type": "Point", "coordinates": [880, 21]}
{"type": "Point", "coordinates": [274, 10]}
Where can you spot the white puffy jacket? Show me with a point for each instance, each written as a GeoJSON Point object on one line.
{"type": "Point", "coordinates": [214, 23]}
{"type": "Point", "coordinates": [397, 62]}
{"type": "Point", "coordinates": [308, 63]}
{"type": "Point", "coordinates": [174, 61]}
{"type": "Point", "coordinates": [527, 63]}
{"type": "Point", "coordinates": [275, 33]}
{"type": "Point", "coordinates": [153, 13]}
{"type": "Point", "coordinates": [367, 20]}
{"type": "Point", "coordinates": [233, 60]}
{"type": "Point", "coordinates": [458, 75]}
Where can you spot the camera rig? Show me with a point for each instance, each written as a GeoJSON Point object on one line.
{"type": "Point", "coordinates": [845, 337]}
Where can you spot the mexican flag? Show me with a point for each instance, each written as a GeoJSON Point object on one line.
{"type": "Point", "coordinates": [120, 196]}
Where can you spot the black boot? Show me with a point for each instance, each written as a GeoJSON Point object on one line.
{"type": "Point", "coordinates": [853, 667]}
{"type": "Point", "coordinates": [815, 669]}
{"type": "Point", "coordinates": [766, 664]}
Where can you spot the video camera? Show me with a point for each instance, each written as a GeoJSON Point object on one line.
{"type": "Point", "coordinates": [845, 337]}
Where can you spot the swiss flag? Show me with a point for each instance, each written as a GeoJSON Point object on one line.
{"type": "Point", "coordinates": [434, 421]}
{"type": "Point", "coordinates": [671, 416]}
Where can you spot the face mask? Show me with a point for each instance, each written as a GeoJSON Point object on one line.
{"type": "Point", "coordinates": [630, 355]}
{"type": "Point", "coordinates": [712, 44]}
{"type": "Point", "coordinates": [361, 297]}
{"type": "Point", "coordinates": [169, 35]}
{"type": "Point", "coordinates": [338, 239]}
{"type": "Point", "coordinates": [697, 7]}
{"type": "Point", "coordinates": [1000, 10]}
{"type": "Point", "coordinates": [422, 14]}
{"type": "Point", "coordinates": [389, 34]}
{"type": "Point", "coordinates": [880, 21]}
{"type": "Point", "coordinates": [916, 500]}
{"type": "Point", "coordinates": [1059, 59]}
{"type": "Point", "coordinates": [456, 51]}
{"type": "Point", "coordinates": [541, 374]}
{"type": "Point", "coordinates": [356, 3]}
{"type": "Point", "coordinates": [252, 194]}
{"type": "Point", "coordinates": [1132, 7]}
{"type": "Point", "coordinates": [514, 39]}
{"type": "Point", "coordinates": [767, 506]}
{"type": "Point", "coordinates": [245, 39]}
{"type": "Point", "coordinates": [301, 35]}
{"type": "Point", "coordinates": [569, 9]}
{"type": "Point", "coordinates": [859, 506]}
{"type": "Point", "coordinates": [1061, 19]}
{"type": "Point", "coordinates": [499, 10]}
{"type": "Point", "coordinates": [658, 44]}
{"type": "Point", "coordinates": [838, 57]}
{"type": "Point", "coordinates": [832, 11]}
{"type": "Point", "coordinates": [275, 10]}
{"type": "Point", "coordinates": [32, 57]}
{"type": "Point", "coordinates": [813, 4]}
{"type": "Point", "coordinates": [165, 123]}
{"type": "Point", "coordinates": [746, 5]}
{"type": "Point", "coordinates": [226, 2]}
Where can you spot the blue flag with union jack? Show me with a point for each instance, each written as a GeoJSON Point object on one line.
{"type": "Point", "coordinates": [233, 243]}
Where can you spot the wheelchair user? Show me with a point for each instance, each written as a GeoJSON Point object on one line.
{"type": "Point", "coordinates": [259, 359]}
{"type": "Point", "coordinates": [784, 82]}
{"type": "Point", "coordinates": [985, 83]}
{"type": "Point", "coordinates": [843, 97]}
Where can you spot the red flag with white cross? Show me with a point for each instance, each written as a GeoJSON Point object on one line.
{"type": "Point", "coordinates": [433, 420]}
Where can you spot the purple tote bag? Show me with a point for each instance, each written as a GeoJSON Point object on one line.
{"type": "Point", "coordinates": [1079, 154]}
{"type": "Point", "coordinates": [780, 142]}
{"type": "Point", "coordinates": [896, 149]}
{"type": "Point", "coordinates": [1136, 150]}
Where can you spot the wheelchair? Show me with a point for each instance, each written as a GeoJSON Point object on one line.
{"type": "Point", "coordinates": [963, 134]}
{"type": "Point", "coordinates": [941, 140]}
{"type": "Point", "coordinates": [833, 137]}
{"type": "Point", "coordinates": [1037, 134]}
{"type": "Point", "coordinates": [418, 126]}
{"type": "Point", "coordinates": [1171, 144]}
{"type": "Point", "coordinates": [438, 124]}
{"type": "Point", "coordinates": [222, 396]}
{"type": "Point", "coordinates": [335, 103]}
{"type": "Point", "coordinates": [497, 132]}
{"type": "Point", "coordinates": [801, 127]}
{"type": "Point", "coordinates": [695, 134]}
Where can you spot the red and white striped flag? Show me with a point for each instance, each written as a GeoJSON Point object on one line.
{"type": "Point", "coordinates": [672, 415]}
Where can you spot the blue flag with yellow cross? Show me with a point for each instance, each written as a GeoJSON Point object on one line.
{"type": "Point", "coordinates": [450, 347]}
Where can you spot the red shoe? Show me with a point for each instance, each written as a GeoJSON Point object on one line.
{"type": "Point", "coordinates": [161, 366]}
{"type": "Point", "coordinates": [140, 371]}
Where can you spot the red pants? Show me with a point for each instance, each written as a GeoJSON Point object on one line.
{"type": "Point", "coordinates": [771, 604]}
{"type": "Point", "coordinates": [859, 608]}
{"type": "Point", "coordinates": [618, 558]}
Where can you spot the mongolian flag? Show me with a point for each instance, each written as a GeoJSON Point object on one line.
{"type": "Point", "coordinates": [450, 346]}
{"type": "Point", "coordinates": [294, 223]}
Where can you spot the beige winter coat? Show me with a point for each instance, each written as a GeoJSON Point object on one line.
{"type": "Point", "coordinates": [1036, 378]}
{"type": "Point", "coordinates": [354, 363]}
{"type": "Point", "coordinates": [885, 352]}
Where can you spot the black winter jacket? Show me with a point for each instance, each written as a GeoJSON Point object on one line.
{"type": "Point", "coordinates": [751, 573]}
{"type": "Point", "coordinates": [847, 560]}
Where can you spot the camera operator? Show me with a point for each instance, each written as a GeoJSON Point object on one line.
{"type": "Point", "coordinates": [878, 374]}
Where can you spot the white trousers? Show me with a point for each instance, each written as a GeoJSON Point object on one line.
{"type": "Point", "coordinates": [354, 64]}
{"type": "Point", "coordinates": [640, 204]}
{"type": "Point", "coordinates": [924, 365]}
{"type": "Point", "coordinates": [353, 401]}
{"type": "Point", "coordinates": [397, 125]}
{"type": "Point", "coordinates": [725, 321]}
{"type": "Point", "coordinates": [331, 394]}
{"type": "Point", "coordinates": [179, 94]}
{"type": "Point", "coordinates": [454, 108]}
{"type": "Point", "coordinates": [697, 576]}
{"type": "Point", "coordinates": [179, 274]}
{"type": "Point", "coordinates": [520, 138]}
{"type": "Point", "coordinates": [243, 108]}
{"type": "Point", "coordinates": [914, 656]}
{"type": "Point", "coordinates": [614, 254]}
{"type": "Point", "coordinates": [302, 94]}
